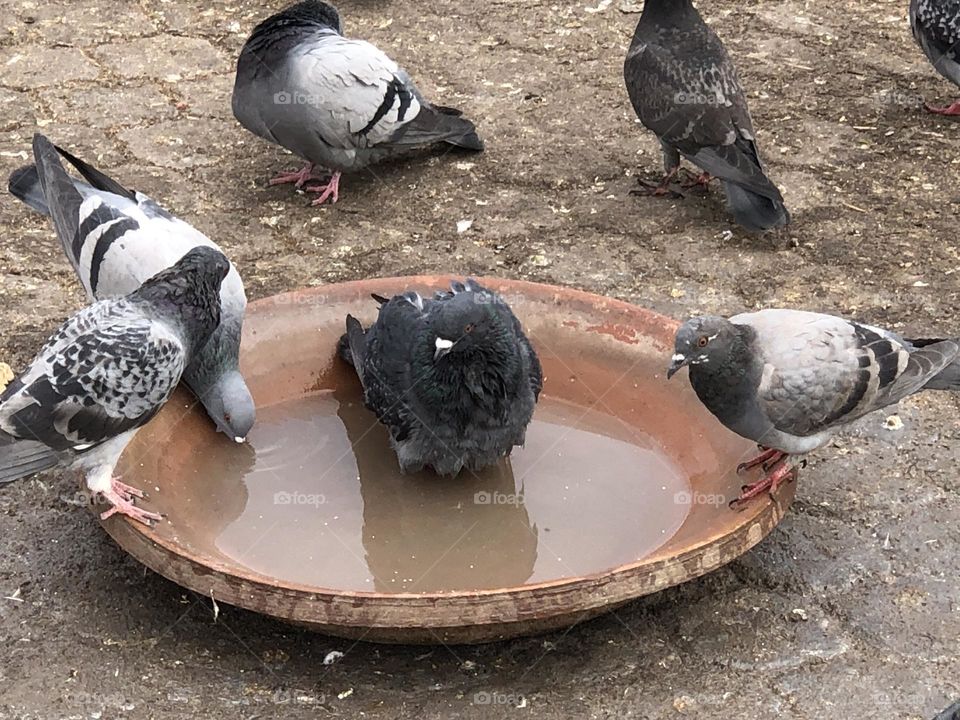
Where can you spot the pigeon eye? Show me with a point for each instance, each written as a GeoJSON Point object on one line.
{"type": "Point", "coordinates": [469, 328]}
{"type": "Point", "coordinates": [702, 342]}
{"type": "Point", "coordinates": [226, 416]}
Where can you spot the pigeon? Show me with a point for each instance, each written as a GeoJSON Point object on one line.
{"type": "Point", "coordinates": [936, 27]}
{"type": "Point", "coordinates": [452, 377]}
{"type": "Point", "coordinates": [118, 238]}
{"type": "Point", "coordinates": [790, 379]}
{"type": "Point", "coordinates": [685, 89]}
{"type": "Point", "coordinates": [338, 104]}
{"type": "Point", "coordinates": [106, 372]}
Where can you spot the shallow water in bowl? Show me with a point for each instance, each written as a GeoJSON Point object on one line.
{"type": "Point", "coordinates": [316, 498]}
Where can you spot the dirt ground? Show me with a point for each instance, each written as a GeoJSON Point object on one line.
{"type": "Point", "coordinates": [850, 608]}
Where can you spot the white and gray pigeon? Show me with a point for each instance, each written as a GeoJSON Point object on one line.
{"type": "Point", "coordinates": [115, 240]}
{"type": "Point", "coordinates": [339, 104]}
{"type": "Point", "coordinates": [105, 373]}
{"type": "Point", "coordinates": [936, 27]}
{"type": "Point", "coordinates": [789, 379]}
{"type": "Point", "coordinates": [685, 89]}
{"type": "Point", "coordinates": [453, 377]}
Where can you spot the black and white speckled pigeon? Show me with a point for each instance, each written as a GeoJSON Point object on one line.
{"type": "Point", "coordinates": [115, 240]}
{"type": "Point", "coordinates": [936, 26]}
{"type": "Point", "coordinates": [338, 104]}
{"type": "Point", "coordinates": [789, 379]}
{"type": "Point", "coordinates": [106, 372]}
{"type": "Point", "coordinates": [453, 377]}
{"type": "Point", "coordinates": [685, 89]}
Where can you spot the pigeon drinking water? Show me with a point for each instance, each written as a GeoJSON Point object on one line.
{"type": "Point", "coordinates": [116, 239]}
{"type": "Point", "coordinates": [105, 373]}
{"type": "Point", "coordinates": [936, 27]}
{"type": "Point", "coordinates": [339, 104]}
{"type": "Point", "coordinates": [685, 89]}
{"type": "Point", "coordinates": [789, 379]}
{"type": "Point", "coordinates": [453, 377]}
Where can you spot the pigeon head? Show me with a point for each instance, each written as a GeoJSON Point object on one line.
{"type": "Point", "coordinates": [702, 341]}
{"type": "Point", "coordinates": [470, 323]}
{"type": "Point", "coordinates": [314, 12]}
{"type": "Point", "coordinates": [229, 403]}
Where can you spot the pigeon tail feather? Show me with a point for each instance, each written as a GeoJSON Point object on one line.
{"type": "Point", "coordinates": [22, 458]}
{"type": "Point", "coordinates": [946, 379]}
{"type": "Point", "coordinates": [440, 124]}
{"type": "Point", "coordinates": [63, 198]}
{"type": "Point", "coordinates": [24, 184]}
{"type": "Point", "coordinates": [755, 212]}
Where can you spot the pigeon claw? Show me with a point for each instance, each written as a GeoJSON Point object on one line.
{"type": "Point", "coordinates": [661, 189]}
{"type": "Point", "coordinates": [297, 177]}
{"type": "Point", "coordinates": [697, 181]}
{"type": "Point", "coordinates": [121, 497]}
{"type": "Point", "coordinates": [952, 109]}
{"type": "Point", "coordinates": [329, 191]}
{"type": "Point", "coordinates": [780, 473]}
{"type": "Point", "coordinates": [768, 458]}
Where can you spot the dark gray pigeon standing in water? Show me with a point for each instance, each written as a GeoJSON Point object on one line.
{"type": "Point", "coordinates": [789, 379]}
{"type": "Point", "coordinates": [338, 104]}
{"type": "Point", "coordinates": [116, 239]}
{"type": "Point", "coordinates": [453, 378]}
{"type": "Point", "coordinates": [684, 88]}
{"type": "Point", "coordinates": [105, 373]}
{"type": "Point", "coordinates": [936, 27]}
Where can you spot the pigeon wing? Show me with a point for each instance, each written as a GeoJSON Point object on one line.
{"type": "Point", "coordinates": [820, 370]}
{"type": "Point", "coordinates": [109, 369]}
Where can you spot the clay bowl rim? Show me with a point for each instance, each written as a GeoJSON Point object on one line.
{"type": "Point", "coordinates": [768, 512]}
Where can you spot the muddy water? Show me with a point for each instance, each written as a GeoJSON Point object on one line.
{"type": "Point", "coordinates": [317, 499]}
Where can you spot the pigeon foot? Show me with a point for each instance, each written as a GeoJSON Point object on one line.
{"type": "Point", "coordinates": [661, 189]}
{"type": "Point", "coordinates": [121, 496]}
{"type": "Point", "coordinates": [768, 457]}
{"type": "Point", "coordinates": [702, 180]}
{"type": "Point", "coordinates": [776, 475]}
{"type": "Point", "coordinates": [952, 109]}
{"type": "Point", "coordinates": [297, 177]}
{"type": "Point", "coordinates": [329, 191]}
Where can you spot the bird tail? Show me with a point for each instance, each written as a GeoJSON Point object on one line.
{"type": "Point", "coordinates": [353, 345]}
{"type": "Point", "coordinates": [755, 212]}
{"type": "Point", "coordinates": [22, 458]}
{"type": "Point", "coordinates": [63, 199]}
{"type": "Point", "coordinates": [946, 379]}
{"type": "Point", "coordinates": [436, 123]}
{"type": "Point", "coordinates": [24, 184]}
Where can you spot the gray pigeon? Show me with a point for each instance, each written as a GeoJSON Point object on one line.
{"type": "Point", "coordinates": [936, 27]}
{"type": "Point", "coordinates": [338, 104]}
{"type": "Point", "coordinates": [684, 88]}
{"type": "Point", "coordinates": [789, 380]}
{"type": "Point", "coordinates": [453, 378]}
{"type": "Point", "coordinates": [116, 239]}
{"type": "Point", "coordinates": [951, 713]}
{"type": "Point", "coordinates": [105, 373]}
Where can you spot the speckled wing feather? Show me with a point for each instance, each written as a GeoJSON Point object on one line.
{"type": "Point", "coordinates": [820, 370]}
{"type": "Point", "coordinates": [696, 105]}
{"type": "Point", "coordinates": [107, 370]}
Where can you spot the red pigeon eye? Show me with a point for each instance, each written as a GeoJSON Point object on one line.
{"type": "Point", "coordinates": [702, 342]}
{"type": "Point", "coordinates": [469, 328]}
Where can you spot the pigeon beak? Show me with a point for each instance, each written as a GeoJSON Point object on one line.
{"type": "Point", "coordinates": [676, 362]}
{"type": "Point", "coordinates": [443, 347]}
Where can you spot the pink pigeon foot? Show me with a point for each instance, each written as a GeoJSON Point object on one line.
{"type": "Point", "coordinates": [297, 177]}
{"type": "Point", "coordinates": [329, 191]}
{"type": "Point", "coordinates": [701, 180]}
{"type": "Point", "coordinates": [953, 109]}
{"type": "Point", "coordinates": [774, 476]}
{"type": "Point", "coordinates": [120, 496]}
